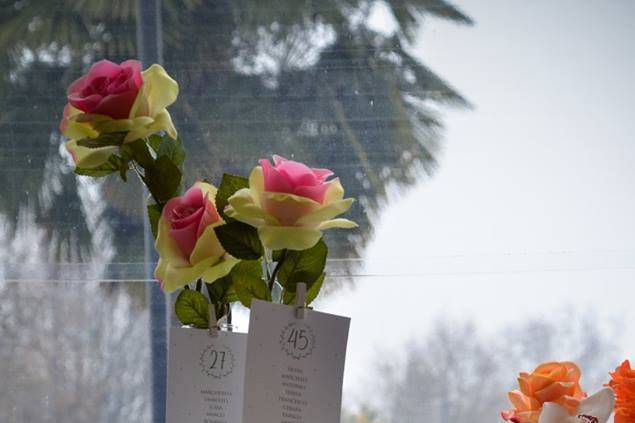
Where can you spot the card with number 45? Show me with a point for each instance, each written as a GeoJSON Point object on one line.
{"type": "Point", "coordinates": [295, 366]}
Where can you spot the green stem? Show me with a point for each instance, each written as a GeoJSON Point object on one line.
{"type": "Point", "coordinates": [143, 180]}
{"type": "Point", "coordinates": [267, 263]}
{"type": "Point", "coordinates": [209, 294]}
{"type": "Point", "coordinates": [272, 279]}
{"type": "Point", "coordinates": [228, 306]}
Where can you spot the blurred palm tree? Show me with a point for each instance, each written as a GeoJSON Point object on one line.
{"type": "Point", "coordinates": [311, 80]}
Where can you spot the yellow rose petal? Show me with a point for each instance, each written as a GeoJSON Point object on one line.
{"type": "Point", "coordinates": [220, 269]}
{"type": "Point", "coordinates": [334, 192]}
{"type": "Point", "coordinates": [173, 277]}
{"type": "Point", "coordinates": [89, 157]}
{"type": "Point", "coordinates": [163, 121]}
{"type": "Point", "coordinates": [74, 128]}
{"type": "Point", "coordinates": [207, 245]}
{"type": "Point", "coordinates": [159, 89]}
{"type": "Point", "coordinates": [111, 125]}
{"type": "Point", "coordinates": [337, 223]}
{"type": "Point", "coordinates": [242, 208]}
{"type": "Point", "coordinates": [289, 237]}
{"type": "Point", "coordinates": [326, 213]}
{"type": "Point", "coordinates": [257, 184]}
{"type": "Point", "coordinates": [166, 246]}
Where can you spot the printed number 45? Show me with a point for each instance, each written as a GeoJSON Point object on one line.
{"type": "Point", "coordinates": [298, 338]}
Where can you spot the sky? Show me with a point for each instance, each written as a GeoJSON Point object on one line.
{"type": "Point", "coordinates": [532, 208]}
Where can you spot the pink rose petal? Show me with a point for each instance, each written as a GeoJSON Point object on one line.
{"type": "Point", "coordinates": [185, 238]}
{"type": "Point", "coordinates": [116, 106]}
{"type": "Point", "coordinates": [104, 68]}
{"type": "Point", "coordinates": [274, 181]}
{"type": "Point", "coordinates": [288, 176]}
{"type": "Point", "coordinates": [193, 197]}
{"type": "Point", "coordinates": [181, 215]}
{"type": "Point", "coordinates": [210, 216]}
{"type": "Point", "coordinates": [322, 174]}
{"type": "Point", "coordinates": [185, 215]}
{"type": "Point", "coordinates": [135, 68]}
{"type": "Point", "coordinates": [85, 104]}
{"type": "Point", "coordinates": [188, 216]}
{"type": "Point", "coordinates": [315, 193]}
{"type": "Point", "coordinates": [107, 88]}
{"type": "Point", "coordinates": [278, 159]}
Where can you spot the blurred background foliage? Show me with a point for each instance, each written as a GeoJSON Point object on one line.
{"type": "Point", "coordinates": [314, 81]}
{"type": "Point", "coordinates": [459, 372]}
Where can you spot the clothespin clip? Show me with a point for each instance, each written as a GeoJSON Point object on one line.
{"type": "Point", "coordinates": [213, 323]}
{"type": "Point", "coordinates": [300, 300]}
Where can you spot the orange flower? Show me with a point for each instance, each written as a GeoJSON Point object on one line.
{"type": "Point", "coordinates": [623, 383]}
{"type": "Point", "coordinates": [550, 382]}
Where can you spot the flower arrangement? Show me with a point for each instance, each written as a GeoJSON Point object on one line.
{"type": "Point", "coordinates": [623, 383]}
{"type": "Point", "coordinates": [255, 237]}
{"type": "Point", "coordinates": [552, 394]}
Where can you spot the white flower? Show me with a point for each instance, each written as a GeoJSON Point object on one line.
{"type": "Point", "coordinates": [595, 409]}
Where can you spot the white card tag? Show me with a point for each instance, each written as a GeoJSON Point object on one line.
{"type": "Point", "coordinates": [295, 367]}
{"type": "Point", "coordinates": [205, 376]}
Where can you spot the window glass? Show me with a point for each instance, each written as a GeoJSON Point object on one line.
{"type": "Point", "coordinates": [487, 143]}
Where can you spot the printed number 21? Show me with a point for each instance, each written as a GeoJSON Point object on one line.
{"type": "Point", "coordinates": [298, 339]}
{"type": "Point", "coordinates": [215, 355]}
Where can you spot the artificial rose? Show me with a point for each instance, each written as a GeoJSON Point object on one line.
{"type": "Point", "coordinates": [186, 242]}
{"type": "Point", "coordinates": [595, 409]}
{"type": "Point", "coordinates": [107, 89]}
{"type": "Point", "coordinates": [290, 204]}
{"type": "Point", "coordinates": [557, 382]}
{"type": "Point", "coordinates": [623, 383]}
{"type": "Point", "coordinates": [117, 98]}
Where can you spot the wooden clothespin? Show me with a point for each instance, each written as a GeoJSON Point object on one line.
{"type": "Point", "coordinates": [213, 323]}
{"type": "Point", "coordinates": [300, 300]}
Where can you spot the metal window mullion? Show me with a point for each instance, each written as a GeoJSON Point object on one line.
{"type": "Point", "coordinates": [150, 50]}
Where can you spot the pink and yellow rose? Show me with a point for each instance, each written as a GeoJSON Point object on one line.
{"type": "Point", "coordinates": [116, 98]}
{"type": "Point", "coordinates": [290, 204]}
{"type": "Point", "coordinates": [186, 242]}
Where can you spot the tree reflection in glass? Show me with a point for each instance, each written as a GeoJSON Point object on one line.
{"type": "Point", "coordinates": [313, 80]}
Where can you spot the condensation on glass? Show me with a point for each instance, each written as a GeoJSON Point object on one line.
{"type": "Point", "coordinates": [342, 84]}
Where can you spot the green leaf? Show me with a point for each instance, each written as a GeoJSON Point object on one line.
{"type": "Point", "coordinates": [302, 266]}
{"type": "Point", "coordinates": [113, 164]}
{"type": "Point", "coordinates": [166, 146]}
{"type": "Point", "coordinates": [247, 268]}
{"type": "Point", "coordinates": [155, 142]}
{"type": "Point", "coordinates": [313, 289]}
{"type": "Point", "coordinates": [124, 167]}
{"type": "Point", "coordinates": [173, 149]}
{"type": "Point", "coordinates": [222, 291]}
{"type": "Point", "coordinates": [104, 140]}
{"type": "Point", "coordinates": [276, 255]}
{"type": "Point", "coordinates": [248, 282]}
{"type": "Point", "coordinates": [163, 179]}
{"type": "Point", "coordinates": [240, 240]}
{"type": "Point", "coordinates": [154, 214]}
{"type": "Point", "coordinates": [192, 308]}
{"type": "Point", "coordinates": [138, 151]}
{"type": "Point", "coordinates": [228, 186]}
